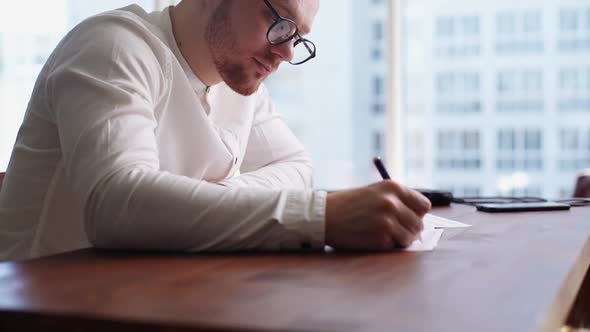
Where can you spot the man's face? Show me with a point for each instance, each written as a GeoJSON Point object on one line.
{"type": "Point", "coordinates": [236, 35]}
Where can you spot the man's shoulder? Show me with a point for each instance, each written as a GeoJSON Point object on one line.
{"type": "Point", "coordinates": [132, 15]}
{"type": "Point", "coordinates": [127, 30]}
{"type": "Point", "coordinates": [126, 26]}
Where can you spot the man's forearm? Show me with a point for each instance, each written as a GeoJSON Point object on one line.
{"type": "Point", "coordinates": [148, 209]}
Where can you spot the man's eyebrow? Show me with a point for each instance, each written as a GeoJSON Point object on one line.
{"type": "Point", "coordinates": [291, 15]}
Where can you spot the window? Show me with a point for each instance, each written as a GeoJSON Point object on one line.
{"type": "Point", "coordinates": [568, 20]}
{"type": "Point", "coordinates": [574, 34]}
{"type": "Point", "coordinates": [378, 108]}
{"type": "Point", "coordinates": [378, 86]}
{"type": "Point", "coordinates": [378, 34]}
{"type": "Point", "coordinates": [377, 143]}
{"type": "Point", "coordinates": [519, 90]}
{"type": "Point", "coordinates": [524, 90]}
{"type": "Point", "coordinates": [519, 150]}
{"type": "Point", "coordinates": [506, 24]}
{"type": "Point", "coordinates": [458, 92]}
{"type": "Point", "coordinates": [470, 26]}
{"type": "Point", "coordinates": [574, 151]}
{"type": "Point", "coordinates": [444, 27]}
{"type": "Point", "coordinates": [377, 54]}
{"type": "Point", "coordinates": [574, 89]}
{"type": "Point", "coordinates": [458, 150]}
{"type": "Point", "coordinates": [532, 22]}
{"type": "Point", "coordinates": [457, 36]}
{"type": "Point", "coordinates": [519, 32]}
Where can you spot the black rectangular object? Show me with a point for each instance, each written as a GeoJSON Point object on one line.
{"type": "Point", "coordinates": [521, 207]}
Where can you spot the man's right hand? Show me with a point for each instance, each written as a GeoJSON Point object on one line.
{"type": "Point", "coordinates": [380, 216]}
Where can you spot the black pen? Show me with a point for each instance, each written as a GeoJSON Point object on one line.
{"type": "Point", "coordinates": [379, 164]}
{"type": "Point", "coordinates": [385, 175]}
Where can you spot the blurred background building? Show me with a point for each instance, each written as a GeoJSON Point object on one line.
{"type": "Point", "coordinates": [497, 95]}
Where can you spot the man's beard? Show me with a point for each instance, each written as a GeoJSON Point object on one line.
{"type": "Point", "coordinates": [222, 45]}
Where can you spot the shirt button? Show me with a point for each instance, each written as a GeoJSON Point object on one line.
{"type": "Point", "coordinates": [236, 161]}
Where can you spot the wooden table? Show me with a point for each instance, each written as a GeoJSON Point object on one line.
{"type": "Point", "coordinates": [509, 272]}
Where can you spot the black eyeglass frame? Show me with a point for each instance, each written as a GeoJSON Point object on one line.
{"type": "Point", "coordinates": [278, 20]}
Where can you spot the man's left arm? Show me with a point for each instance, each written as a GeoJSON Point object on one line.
{"type": "Point", "coordinates": [274, 157]}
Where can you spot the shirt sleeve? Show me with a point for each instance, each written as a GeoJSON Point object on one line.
{"type": "Point", "coordinates": [274, 157]}
{"type": "Point", "coordinates": [102, 88]}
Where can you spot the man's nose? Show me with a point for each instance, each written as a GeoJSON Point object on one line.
{"type": "Point", "coordinates": [285, 51]}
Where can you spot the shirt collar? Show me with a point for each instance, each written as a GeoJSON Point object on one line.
{"type": "Point", "coordinates": [196, 83]}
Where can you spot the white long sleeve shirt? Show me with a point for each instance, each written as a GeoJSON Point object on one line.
{"type": "Point", "coordinates": [122, 146]}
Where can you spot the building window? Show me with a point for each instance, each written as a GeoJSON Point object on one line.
{"type": "Point", "coordinates": [378, 86]}
{"type": "Point", "coordinates": [533, 62]}
{"type": "Point", "coordinates": [377, 54]}
{"type": "Point", "coordinates": [378, 143]}
{"type": "Point", "coordinates": [519, 150]}
{"type": "Point", "coordinates": [458, 150]}
{"type": "Point", "coordinates": [458, 92]}
{"type": "Point", "coordinates": [574, 155]}
{"type": "Point", "coordinates": [505, 24]}
{"type": "Point", "coordinates": [445, 27]}
{"type": "Point", "coordinates": [378, 33]}
{"type": "Point", "coordinates": [457, 36]}
{"type": "Point", "coordinates": [470, 26]}
{"type": "Point", "coordinates": [568, 20]}
{"type": "Point", "coordinates": [519, 32]}
{"type": "Point", "coordinates": [532, 22]}
{"type": "Point", "coordinates": [574, 31]}
{"type": "Point", "coordinates": [574, 89]}
{"type": "Point", "coordinates": [519, 90]}
{"type": "Point", "coordinates": [379, 108]}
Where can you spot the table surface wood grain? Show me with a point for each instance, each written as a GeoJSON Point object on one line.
{"type": "Point", "coordinates": [508, 272]}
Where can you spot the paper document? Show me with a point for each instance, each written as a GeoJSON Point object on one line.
{"type": "Point", "coordinates": [429, 241]}
{"type": "Point", "coordinates": [431, 221]}
{"type": "Point", "coordinates": [433, 229]}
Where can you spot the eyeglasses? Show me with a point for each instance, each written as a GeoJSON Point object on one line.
{"type": "Point", "coordinates": [284, 30]}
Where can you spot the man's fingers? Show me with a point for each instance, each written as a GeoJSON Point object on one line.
{"type": "Point", "coordinates": [407, 217]}
{"type": "Point", "coordinates": [413, 199]}
{"type": "Point", "coordinates": [400, 234]}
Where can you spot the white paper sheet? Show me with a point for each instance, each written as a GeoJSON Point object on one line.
{"type": "Point", "coordinates": [433, 229]}
{"type": "Point", "coordinates": [429, 241]}
{"type": "Point", "coordinates": [431, 222]}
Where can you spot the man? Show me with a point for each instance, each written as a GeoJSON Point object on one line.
{"type": "Point", "coordinates": [154, 132]}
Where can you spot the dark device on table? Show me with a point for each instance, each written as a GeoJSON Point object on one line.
{"type": "Point", "coordinates": [437, 197]}
{"type": "Point", "coordinates": [521, 207]}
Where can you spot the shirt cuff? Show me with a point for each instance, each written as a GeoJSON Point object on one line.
{"type": "Point", "coordinates": [304, 218]}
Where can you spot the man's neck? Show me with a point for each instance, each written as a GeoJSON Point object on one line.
{"type": "Point", "coordinates": [189, 23]}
